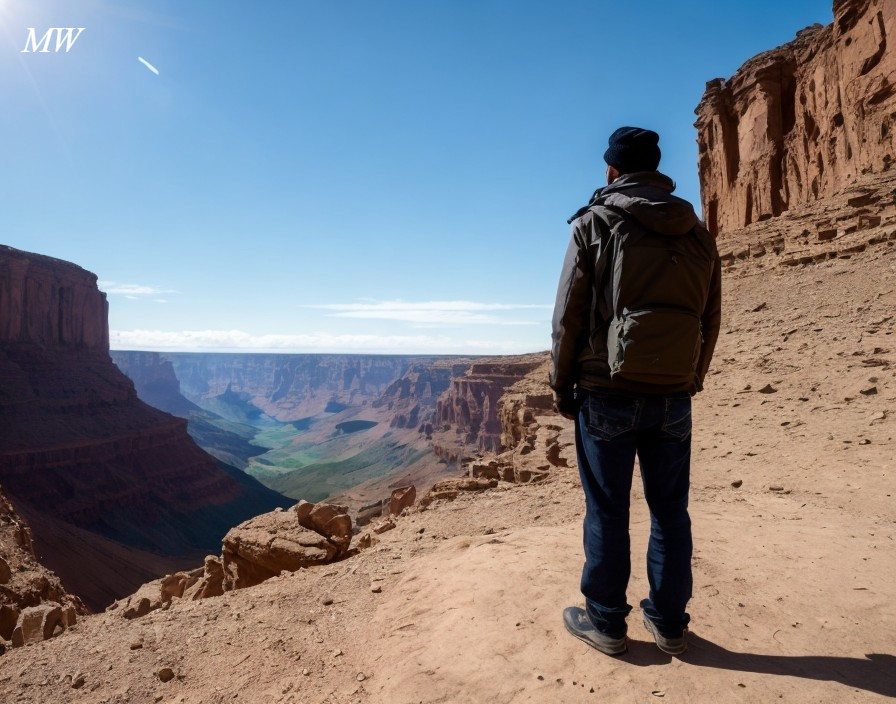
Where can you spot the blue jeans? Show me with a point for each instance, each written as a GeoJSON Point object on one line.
{"type": "Point", "coordinates": [611, 427]}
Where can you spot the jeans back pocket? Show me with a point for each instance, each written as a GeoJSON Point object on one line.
{"type": "Point", "coordinates": [609, 416]}
{"type": "Point", "coordinates": [677, 419]}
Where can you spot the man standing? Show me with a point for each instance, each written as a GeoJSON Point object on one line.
{"type": "Point", "coordinates": [635, 324]}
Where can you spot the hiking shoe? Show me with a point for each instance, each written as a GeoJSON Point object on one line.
{"type": "Point", "coordinates": [672, 646]}
{"type": "Point", "coordinates": [578, 623]}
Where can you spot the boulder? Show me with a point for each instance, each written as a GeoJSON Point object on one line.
{"type": "Point", "coordinates": [147, 598]}
{"type": "Point", "coordinates": [330, 520]}
{"type": "Point", "coordinates": [174, 585]}
{"type": "Point", "coordinates": [212, 582]}
{"type": "Point", "coordinates": [402, 498]}
{"type": "Point", "coordinates": [264, 546]}
{"type": "Point", "coordinates": [5, 571]}
{"type": "Point", "coordinates": [37, 623]}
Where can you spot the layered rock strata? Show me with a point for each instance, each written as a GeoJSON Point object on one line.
{"type": "Point", "coordinates": [801, 123]}
{"type": "Point", "coordinates": [412, 399]}
{"type": "Point", "coordinates": [289, 387]}
{"type": "Point", "coordinates": [467, 420]}
{"type": "Point", "coordinates": [527, 442]}
{"type": "Point", "coordinates": [78, 448]}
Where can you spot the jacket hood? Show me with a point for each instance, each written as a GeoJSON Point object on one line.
{"type": "Point", "coordinates": [647, 197]}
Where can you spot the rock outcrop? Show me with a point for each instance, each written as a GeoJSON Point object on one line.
{"type": "Point", "coordinates": [467, 420]}
{"type": "Point", "coordinates": [263, 547]}
{"type": "Point", "coordinates": [412, 398]}
{"type": "Point", "coordinates": [33, 601]}
{"type": "Point", "coordinates": [799, 124]}
{"type": "Point", "coordinates": [401, 499]}
{"type": "Point", "coordinates": [81, 456]}
{"type": "Point", "coordinates": [526, 440]}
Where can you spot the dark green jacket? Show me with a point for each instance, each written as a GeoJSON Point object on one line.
{"type": "Point", "coordinates": [579, 350]}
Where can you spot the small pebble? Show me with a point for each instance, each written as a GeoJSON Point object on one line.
{"type": "Point", "coordinates": [737, 483]}
{"type": "Point", "coordinates": [326, 600]}
{"type": "Point", "coordinates": [361, 677]}
{"type": "Point", "coordinates": [166, 674]}
{"type": "Point", "coordinates": [376, 588]}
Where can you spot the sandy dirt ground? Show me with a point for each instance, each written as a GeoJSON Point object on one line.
{"type": "Point", "coordinates": [795, 574]}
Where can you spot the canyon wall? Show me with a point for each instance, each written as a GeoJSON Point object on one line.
{"type": "Point", "coordinates": [156, 384]}
{"type": "Point", "coordinates": [78, 448]}
{"type": "Point", "coordinates": [412, 399]}
{"type": "Point", "coordinates": [467, 418]}
{"type": "Point", "coordinates": [51, 304]}
{"type": "Point", "coordinates": [289, 387]}
{"type": "Point", "coordinates": [803, 123]}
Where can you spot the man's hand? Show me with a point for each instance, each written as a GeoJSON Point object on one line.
{"type": "Point", "coordinates": [567, 406]}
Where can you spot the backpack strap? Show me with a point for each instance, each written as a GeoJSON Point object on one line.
{"type": "Point", "coordinates": [604, 307]}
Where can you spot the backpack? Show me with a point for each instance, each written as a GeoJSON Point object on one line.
{"type": "Point", "coordinates": [654, 290]}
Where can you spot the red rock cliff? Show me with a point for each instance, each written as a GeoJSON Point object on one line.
{"type": "Point", "coordinates": [78, 449]}
{"type": "Point", "coordinates": [51, 304]}
{"type": "Point", "coordinates": [802, 122]}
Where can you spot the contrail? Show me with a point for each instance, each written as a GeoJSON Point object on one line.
{"type": "Point", "coordinates": [148, 65]}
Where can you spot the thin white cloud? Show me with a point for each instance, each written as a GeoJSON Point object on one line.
{"type": "Point", "coordinates": [430, 313]}
{"type": "Point", "coordinates": [148, 65]}
{"type": "Point", "coordinates": [133, 291]}
{"type": "Point", "coordinates": [237, 340]}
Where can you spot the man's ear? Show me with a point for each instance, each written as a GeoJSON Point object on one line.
{"type": "Point", "coordinates": [612, 174]}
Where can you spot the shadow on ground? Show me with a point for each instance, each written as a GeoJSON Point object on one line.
{"type": "Point", "coordinates": [876, 672]}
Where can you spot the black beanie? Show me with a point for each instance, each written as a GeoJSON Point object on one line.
{"type": "Point", "coordinates": [633, 149]}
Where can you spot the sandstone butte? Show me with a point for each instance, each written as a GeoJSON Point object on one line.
{"type": "Point", "coordinates": [457, 598]}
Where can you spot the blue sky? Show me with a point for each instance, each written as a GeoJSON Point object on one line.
{"type": "Point", "coordinates": [343, 176]}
